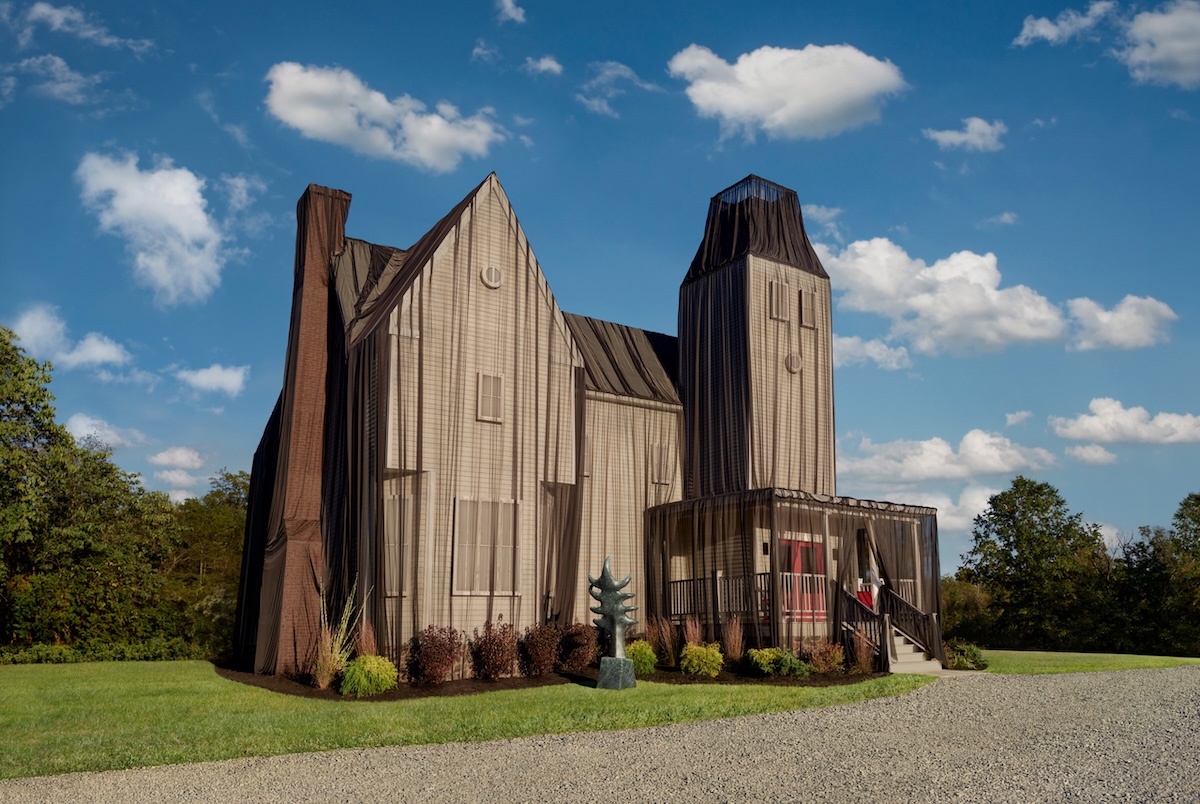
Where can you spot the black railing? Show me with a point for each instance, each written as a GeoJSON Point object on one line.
{"type": "Point", "coordinates": [923, 629]}
{"type": "Point", "coordinates": [859, 619]}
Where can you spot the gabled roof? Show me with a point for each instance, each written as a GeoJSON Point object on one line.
{"type": "Point", "coordinates": [759, 217]}
{"type": "Point", "coordinates": [625, 361]}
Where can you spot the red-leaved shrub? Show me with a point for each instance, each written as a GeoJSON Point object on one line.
{"type": "Point", "coordinates": [578, 647]}
{"type": "Point", "coordinates": [537, 651]}
{"type": "Point", "coordinates": [431, 655]}
{"type": "Point", "coordinates": [494, 651]}
{"type": "Point", "coordinates": [827, 657]}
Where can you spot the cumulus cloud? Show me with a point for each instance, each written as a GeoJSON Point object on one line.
{"type": "Point", "coordinates": [178, 457]}
{"type": "Point", "coordinates": [954, 515]}
{"type": "Point", "coordinates": [1163, 46]}
{"type": "Point", "coordinates": [509, 11]}
{"type": "Point", "coordinates": [853, 350]}
{"type": "Point", "coordinates": [176, 477]}
{"type": "Point", "coordinates": [1020, 417]}
{"type": "Point", "coordinates": [43, 334]}
{"type": "Point", "coordinates": [1110, 422]}
{"type": "Point", "coordinates": [977, 135]}
{"type": "Point", "coordinates": [979, 453]}
{"type": "Point", "coordinates": [1135, 322]}
{"type": "Point", "coordinates": [72, 21]}
{"type": "Point", "coordinates": [812, 93]}
{"type": "Point", "coordinates": [546, 65]}
{"type": "Point", "coordinates": [827, 217]}
{"type": "Point", "coordinates": [955, 304]}
{"type": "Point", "coordinates": [1091, 453]}
{"type": "Point", "coordinates": [484, 52]}
{"type": "Point", "coordinates": [54, 79]}
{"type": "Point", "coordinates": [82, 426]}
{"type": "Point", "coordinates": [1066, 26]}
{"type": "Point", "coordinates": [179, 495]}
{"type": "Point", "coordinates": [162, 214]}
{"type": "Point", "coordinates": [228, 380]}
{"type": "Point", "coordinates": [333, 105]}
{"type": "Point", "coordinates": [609, 80]}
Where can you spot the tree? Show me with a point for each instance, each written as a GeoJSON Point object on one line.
{"type": "Point", "coordinates": [1048, 573]}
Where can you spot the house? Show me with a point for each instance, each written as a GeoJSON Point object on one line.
{"type": "Point", "coordinates": [451, 447]}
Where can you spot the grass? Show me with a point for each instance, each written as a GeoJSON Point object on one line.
{"type": "Point", "coordinates": [109, 715]}
{"type": "Point", "coordinates": [1024, 662]}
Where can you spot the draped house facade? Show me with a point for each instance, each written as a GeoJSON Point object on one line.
{"type": "Point", "coordinates": [449, 447]}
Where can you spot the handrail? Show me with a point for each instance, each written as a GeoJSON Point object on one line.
{"type": "Point", "coordinates": [915, 624]}
{"type": "Point", "coordinates": [858, 617]}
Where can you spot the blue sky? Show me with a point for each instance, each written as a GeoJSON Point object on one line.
{"type": "Point", "coordinates": [1005, 196]}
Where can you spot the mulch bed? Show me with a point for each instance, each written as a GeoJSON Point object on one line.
{"type": "Point", "coordinates": [472, 686]}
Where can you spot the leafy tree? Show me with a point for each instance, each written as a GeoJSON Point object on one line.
{"type": "Point", "coordinates": [1048, 573]}
{"type": "Point", "coordinates": [966, 612]}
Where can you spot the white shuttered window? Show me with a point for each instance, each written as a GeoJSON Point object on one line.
{"type": "Point", "coordinates": [780, 297]}
{"type": "Point", "coordinates": [485, 549]}
{"type": "Point", "coordinates": [491, 398]}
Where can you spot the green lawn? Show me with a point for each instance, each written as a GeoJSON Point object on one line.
{"type": "Point", "coordinates": [107, 715]}
{"type": "Point", "coordinates": [1026, 662]}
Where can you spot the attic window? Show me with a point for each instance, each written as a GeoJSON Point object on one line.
{"type": "Point", "coordinates": [779, 297]}
{"type": "Point", "coordinates": [490, 406]}
{"type": "Point", "coordinates": [491, 276]}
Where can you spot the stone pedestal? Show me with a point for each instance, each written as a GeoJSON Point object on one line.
{"type": "Point", "coordinates": [615, 674]}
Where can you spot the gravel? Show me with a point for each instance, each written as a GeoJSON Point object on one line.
{"type": "Point", "coordinates": [1132, 735]}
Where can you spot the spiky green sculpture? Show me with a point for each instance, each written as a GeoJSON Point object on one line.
{"type": "Point", "coordinates": [612, 609]}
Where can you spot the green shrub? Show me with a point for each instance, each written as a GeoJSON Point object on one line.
{"type": "Point", "coordinates": [964, 656]}
{"type": "Point", "coordinates": [431, 655]}
{"type": "Point", "coordinates": [827, 657]}
{"type": "Point", "coordinates": [368, 675]}
{"type": "Point", "coordinates": [777, 662]}
{"type": "Point", "coordinates": [494, 651]}
{"type": "Point", "coordinates": [578, 647]}
{"type": "Point", "coordinates": [537, 650]}
{"type": "Point", "coordinates": [701, 660]}
{"type": "Point", "coordinates": [151, 650]}
{"type": "Point", "coordinates": [40, 654]}
{"type": "Point", "coordinates": [643, 657]}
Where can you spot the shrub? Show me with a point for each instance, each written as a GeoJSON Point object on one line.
{"type": "Point", "coordinates": [692, 634]}
{"type": "Point", "coordinates": [964, 656]}
{"type": "Point", "coordinates": [537, 650]}
{"type": "Point", "coordinates": [701, 660]}
{"type": "Point", "coordinates": [368, 675]}
{"type": "Point", "coordinates": [731, 640]}
{"type": "Point", "coordinates": [494, 651]}
{"type": "Point", "coordinates": [777, 662]}
{"type": "Point", "coordinates": [827, 657]}
{"type": "Point", "coordinates": [431, 655]}
{"type": "Point", "coordinates": [578, 648]}
{"type": "Point", "coordinates": [643, 657]}
{"type": "Point", "coordinates": [864, 654]}
{"type": "Point", "coordinates": [40, 654]}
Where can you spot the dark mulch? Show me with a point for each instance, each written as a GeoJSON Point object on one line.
{"type": "Point", "coordinates": [471, 686]}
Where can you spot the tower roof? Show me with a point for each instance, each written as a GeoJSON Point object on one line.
{"type": "Point", "coordinates": [759, 217]}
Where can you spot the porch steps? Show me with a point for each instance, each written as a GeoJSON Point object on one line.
{"type": "Point", "coordinates": [910, 658]}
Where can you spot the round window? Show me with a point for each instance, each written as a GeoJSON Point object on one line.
{"type": "Point", "coordinates": [792, 362]}
{"type": "Point", "coordinates": [491, 276]}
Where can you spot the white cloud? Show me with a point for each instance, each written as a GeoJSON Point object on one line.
{"type": "Point", "coordinates": [544, 65]}
{"type": "Point", "coordinates": [1164, 45]}
{"type": "Point", "coordinates": [1091, 453]}
{"type": "Point", "coordinates": [226, 379]}
{"type": "Point", "coordinates": [954, 515]}
{"type": "Point", "coordinates": [484, 52]}
{"type": "Point", "coordinates": [1003, 219]}
{"type": "Point", "coordinates": [853, 350]}
{"type": "Point", "coordinates": [334, 105]}
{"type": "Point", "coordinates": [81, 426]}
{"type": "Point", "coordinates": [1020, 417]}
{"type": "Point", "coordinates": [979, 453]}
{"type": "Point", "coordinates": [176, 477]}
{"type": "Point", "coordinates": [70, 20]}
{"type": "Point", "coordinates": [59, 81]}
{"type": "Point", "coordinates": [827, 217]}
{"type": "Point", "coordinates": [1110, 422]}
{"type": "Point", "coordinates": [1066, 26]}
{"type": "Point", "coordinates": [179, 495]}
{"type": "Point", "coordinates": [609, 80]}
{"type": "Point", "coordinates": [812, 93]}
{"type": "Point", "coordinates": [1135, 322]}
{"type": "Point", "coordinates": [178, 457]}
{"type": "Point", "coordinates": [955, 304]}
{"type": "Point", "coordinates": [8, 88]}
{"type": "Point", "coordinates": [509, 11]}
{"type": "Point", "coordinates": [163, 217]}
{"type": "Point", "coordinates": [205, 99]}
{"type": "Point", "coordinates": [977, 135]}
{"type": "Point", "coordinates": [43, 334]}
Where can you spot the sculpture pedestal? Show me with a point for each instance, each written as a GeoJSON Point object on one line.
{"type": "Point", "coordinates": [615, 674]}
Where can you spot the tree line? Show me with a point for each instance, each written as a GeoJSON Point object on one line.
{"type": "Point", "coordinates": [1039, 578]}
{"type": "Point", "coordinates": [88, 556]}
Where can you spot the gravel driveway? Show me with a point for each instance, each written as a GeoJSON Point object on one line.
{"type": "Point", "coordinates": [1131, 735]}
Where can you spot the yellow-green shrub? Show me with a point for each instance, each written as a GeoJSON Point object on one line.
{"type": "Point", "coordinates": [643, 657]}
{"type": "Point", "coordinates": [701, 660]}
{"type": "Point", "coordinates": [368, 675]}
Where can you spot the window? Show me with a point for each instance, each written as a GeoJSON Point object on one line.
{"type": "Point", "coordinates": [660, 464]}
{"type": "Point", "coordinates": [485, 549]}
{"type": "Point", "coordinates": [779, 297]}
{"type": "Point", "coordinates": [808, 316]}
{"type": "Point", "coordinates": [491, 398]}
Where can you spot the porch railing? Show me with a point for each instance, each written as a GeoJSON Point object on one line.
{"type": "Point", "coordinates": [921, 628]}
{"type": "Point", "coordinates": [803, 596]}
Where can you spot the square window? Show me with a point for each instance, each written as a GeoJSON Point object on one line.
{"type": "Point", "coordinates": [490, 406]}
